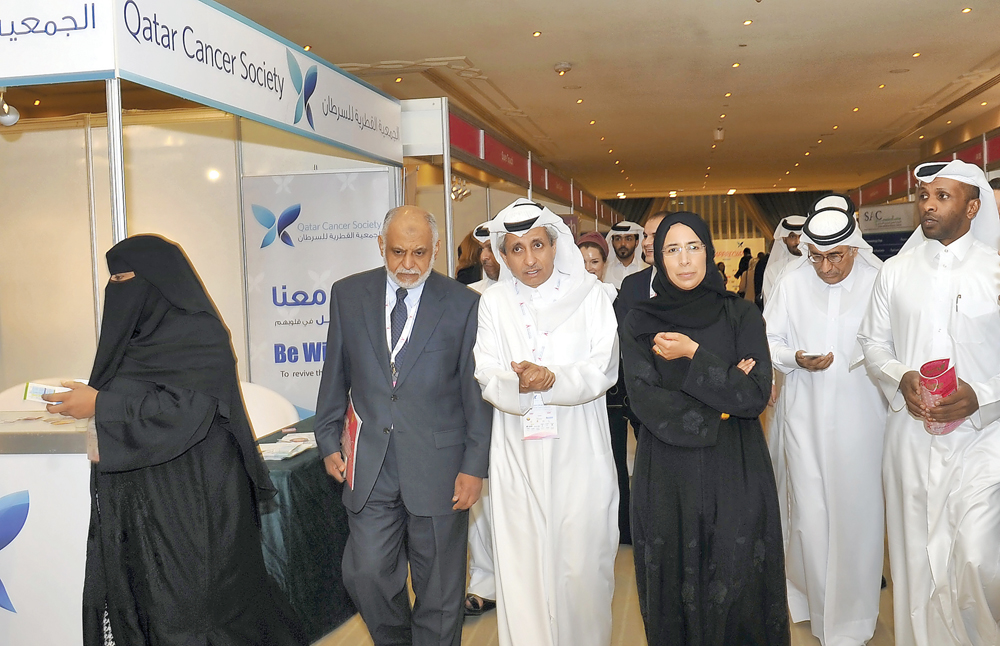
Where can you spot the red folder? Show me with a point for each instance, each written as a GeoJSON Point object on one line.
{"type": "Point", "coordinates": [937, 381]}
{"type": "Point", "coordinates": [349, 441]}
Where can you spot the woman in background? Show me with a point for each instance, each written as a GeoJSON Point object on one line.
{"type": "Point", "coordinates": [594, 248]}
{"type": "Point", "coordinates": [469, 269]}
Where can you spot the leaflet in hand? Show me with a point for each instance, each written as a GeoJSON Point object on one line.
{"type": "Point", "coordinates": [937, 381]}
{"type": "Point", "coordinates": [349, 441]}
{"type": "Point", "coordinates": [33, 392]}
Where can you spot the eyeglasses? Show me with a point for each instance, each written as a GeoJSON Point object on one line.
{"type": "Point", "coordinates": [674, 251]}
{"type": "Point", "coordinates": [834, 258]}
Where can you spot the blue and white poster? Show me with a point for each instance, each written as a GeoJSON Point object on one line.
{"type": "Point", "coordinates": [302, 234]}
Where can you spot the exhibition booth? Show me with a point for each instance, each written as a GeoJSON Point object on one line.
{"type": "Point", "coordinates": [271, 168]}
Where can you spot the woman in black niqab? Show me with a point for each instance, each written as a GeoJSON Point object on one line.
{"type": "Point", "coordinates": [706, 533]}
{"type": "Point", "coordinates": [174, 554]}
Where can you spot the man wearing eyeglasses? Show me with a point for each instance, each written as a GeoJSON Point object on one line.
{"type": "Point", "coordinates": [832, 418]}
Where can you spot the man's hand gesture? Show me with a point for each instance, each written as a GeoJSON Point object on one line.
{"type": "Point", "coordinates": [533, 378]}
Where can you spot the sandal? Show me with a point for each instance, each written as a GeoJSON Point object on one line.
{"type": "Point", "coordinates": [476, 605]}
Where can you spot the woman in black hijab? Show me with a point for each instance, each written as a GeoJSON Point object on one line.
{"type": "Point", "coordinates": [705, 527]}
{"type": "Point", "coordinates": [173, 552]}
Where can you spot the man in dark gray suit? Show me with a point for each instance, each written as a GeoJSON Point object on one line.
{"type": "Point", "coordinates": [400, 349]}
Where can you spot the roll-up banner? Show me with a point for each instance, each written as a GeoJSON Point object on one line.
{"type": "Point", "coordinates": [205, 52]}
{"type": "Point", "coordinates": [303, 233]}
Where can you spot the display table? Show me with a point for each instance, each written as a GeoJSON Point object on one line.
{"type": "Point", "coordinates": [42, 567]}
{"type": "Point", "coordinates": [304, 532]}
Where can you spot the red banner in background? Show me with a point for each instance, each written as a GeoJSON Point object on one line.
{"type": "Point", "coordinates": [993, 150]}
{"type": "Point", "coordinates": [505, 158]}
{"type": "Point", "coordinates": [464, 136]}
{"type": "Point", "coordinates": [875, 193]}
{"type": "Point", "coordinates": [588, 203]}
{"type": "Point", "coordinates": [559, 187]}
{"type": "Point", "coordinates": [899, 184]}
{"type": "Point", "coordinates": [974, 154]}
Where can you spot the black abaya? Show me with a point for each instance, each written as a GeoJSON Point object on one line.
{"type": "Point", "coordinates": [174, 554]}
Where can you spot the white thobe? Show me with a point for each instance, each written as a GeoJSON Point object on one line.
{"type": "Point", "coordinates": [832, 424]}
{"type": "Point", "coordinates": [616, 272]}
{"type": "Point", "coordinates": [942, 493]}
{"type": "Point", "coordinates": [555, 500]}
{"type": "Point", "coordinates": [481, 578]}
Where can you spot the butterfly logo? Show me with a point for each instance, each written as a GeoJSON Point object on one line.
{"type": "Point", "coordinates": [276, 225]}
{"type": "Point", "coordinates": [13, 513]}
{"type": "Point", "coordinates": [304, 87]}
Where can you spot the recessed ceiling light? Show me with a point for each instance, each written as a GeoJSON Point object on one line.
{"type": "Point", "coordinates": [788, 172]}
{"type": "Point", "coordinates": [967, 10]}
{"type": "Point", "coordinates": [731, 191]}
{"type": "Point", "coordinates": [213, 175]}
{"type": "Point", "coordinates": [722, 116]}
{"type": "Point", "coordinates": [38, 102]}
{"type": "Point", "coordinates": [856, 109]}
{"type": "Point", "coordinates": [602, 138]}
{"type": "Point", "coordinates": [796, 163]}
{"type": "Point", "coordinates": [592, 122]}
{"type": "Point", "coordinates": [626, 177]}
{"type": "Point", "coordinates": [623, 170]}
{"type": "Point", "coordinates": [579, 101]}
{"type": "Point", "coordinates": [948, 122]}
{"type": "Point", "coordinates": [916, 54]}
{"type": "Point", "coordinates": [706, 174]}
{"type": "Point", "coordinates": [610, 150]}
{"type": "Point", "coordinates": [536, 34]}
{"type": "Point", "coordinates": [708, 168]}
{"type": "Point", "coordinates": [307, 47]}
{"type": "Point", "coordinates": [920, 137]}
{"type": "Point", "coordinates": [819, 141]}
{"type": "Point", "coordinates": [736, 64]}
{"type": "Point", "coordinates": [791, 190]}
{"type": "Point", "coordinates": [747, 22]}
{"type": "Point", "coordinates": [807, 153]}
{"type": "Point", "coordinates": [713, 145]}
{"type": "Point", "coordinates": [836, 127]}
{"type": "Point", "coordinates": [983, 103]}
{"type": "Point", "coordinates": [399, 79]}
{"type": "Point", "coordinates": [881, 86]}
{"type": "Point", "coordinates": [774, 186]}
{"type": "Point", "coordinates": [728, 94]}
{"type": "Point", "coordinates": [618, 161]}
{"type": "Point", "coordinates": [673, 193]}
{"type": "Point", "coordinates": [632, 185]}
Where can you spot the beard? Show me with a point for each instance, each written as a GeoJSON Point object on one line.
{"type": "Point", "coordinates": [410, 278]}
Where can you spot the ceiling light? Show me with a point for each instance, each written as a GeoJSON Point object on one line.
{"type": "Point", "coordinates": [747, 22]}
{"type": "Point", "coordinates": [38, 101]}
{"type": "Point", "coordinates": [808, 153]}
{"type": "Point", "coordinates": [736, 64]}
{"type": "Point", "coordinates": [948, 122]}
{"type": "Point", "coordinates": [819, 141]}
{"type": "Point", "coordinates": [983, 103]}
{"type": "Point", "coordinates": [307, 47]}
{"type": "Point", "coordinates": [8, 113]}
{"type": "Point", "coordinates": [579, 101]}
{"type": "Point", "coordinates": [722, 116]}
{"type": "Point", "coordinates": [536, 34]}
{"type": "Point", "coordinates": [621, 196]}
{"type": "Point", "coordinates": [788, 172]}
{"type": "Point", "coordinates": [791, 190]}
{"type": "Point", "coordinates": [399, 79]}
{"type": "Point", "coordinates": [728, 94]}
{"type": "Point", "coordinates": [213, 175]}
{"type": "Point", "coordinates": [796, 163]}
{"type": "Point", "coordinates": [562, 67]}
{"type": "Point", "coordinates": [623, 170]}
{"type": "Point", "coordinates": [916, 54]}
{"type": "Point", "coordinates": [618, 161]}
{"type": "Point", "coordinates": [881, 86]}
{"type": "Point", "coordinates": [626, 177]}
{"type": "Point", "coordinates": [967, 10]}
{"type": "Point", "coordinates": [713, 145]}
{"type": "Point", "coordinates": [856, 109]}
{"type": "Point", "coordinates": [610, 150]}
{"type": "Point", "coordinates": [592, 122]}
{"type": "Point", "coordinates": [731, 191]}
{"type": "Point", "coordinates": [706, 174]}
{"type": "Point", "coordinates": [835, 127]}
{"type": "Point", "coordinates": [708, 168]}
{"type": "Point", "coordinates": [673, 193]}
{"type": "Point", "coordinates": [602, 138]}
{"type": "Point", "coordinates": [920, 137]}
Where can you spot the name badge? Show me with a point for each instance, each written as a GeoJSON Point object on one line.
{"type": "Point", "coordinates": [539, 422]}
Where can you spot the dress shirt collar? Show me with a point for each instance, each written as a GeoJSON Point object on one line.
{"type": "Point", "coordinates": [959, 247]}
{"type": "Point", "coordinates": [412, 293]}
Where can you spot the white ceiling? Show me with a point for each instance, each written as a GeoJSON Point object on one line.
{"type": "Point", "coordinates": [653, 75]}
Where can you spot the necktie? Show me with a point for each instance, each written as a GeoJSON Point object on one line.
{"type": "Point", "coordinates": [397, 319]}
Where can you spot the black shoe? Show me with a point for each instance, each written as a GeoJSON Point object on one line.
{"type": "Point", "coordinates": [884, 583]}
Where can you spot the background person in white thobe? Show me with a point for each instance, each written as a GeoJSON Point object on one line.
{"type": "Point", "coordinates": [784, 250]}
{"type": "Point", "coordinates": [481, 594]}
{"type": "Point", "coordinates": [547, 348]}
{"type": "Point", "coordinates": [938, 299]}
{"type": "Point", "coordinates": [833, 419]}
{"type": "Point", "coordinates": [624, 239]}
